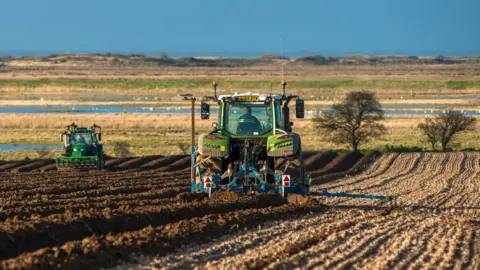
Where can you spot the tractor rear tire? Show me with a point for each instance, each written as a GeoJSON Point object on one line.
{"type": "Point", "coordinates": [209, 166]}
{"type": "Point", "coordinates": [294, 166]}
{"type": "Point", "coordinates": [100, 162]}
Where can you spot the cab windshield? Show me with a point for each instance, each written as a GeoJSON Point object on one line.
{"type": "Point", "coordinates": [82, 138]}
{"type": "Point", "coordinates": [248, 119]}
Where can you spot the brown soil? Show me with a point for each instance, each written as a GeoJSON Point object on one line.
{"type": "Point", "coordinates": [95, 219]}
{"type": "Point", "coordinates": [12, 165]}
{"type": "Point", "coordinates": [136, 162]}
{"type": "Point", "coordinates": [176, 162]}
{"type": "Point", "coordinates": [181, 163]}
{"type": "Point", "coordinates": [318, 161]}
{"type": "Point", "coordinates": [307, 154]}
{"type": "Point", "coordinates": [358, 167]}
{"type": "Point", "coordinates": [341, 163]}
{"type": "Point", "coordinates": [162, 162]}
{"type": "Point", "coordinates": [101, 251]}
{"type": "Point", "coordinates": [25, 234]}
{"type": "Point", "coordinates": [110, 163]}
{"type": "Point", "coordinates": [47, 168]}
{"type": "Point", "coordinates": [32, 166]}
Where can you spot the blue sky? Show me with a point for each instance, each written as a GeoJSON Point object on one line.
{"type": "Point", "coordinates": [247, 27]}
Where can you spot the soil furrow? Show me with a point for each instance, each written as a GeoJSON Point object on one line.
{"type": "Point", "coordinates": [101, 251]}
{"type": "Point", "coordinates": [55, 230]}
{"type": "Point", "coordinates": [145, 214]}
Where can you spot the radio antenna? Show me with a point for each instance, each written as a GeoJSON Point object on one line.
{"type": "Point", "coordinates": [284, 83]}
{"type": "Point", "coordinates": [281, 54]}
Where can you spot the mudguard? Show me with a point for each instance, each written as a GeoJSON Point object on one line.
{"type": "Point", "coordinates": [280, 145]}
{"type": "Point", "coordinates": [213, 145]}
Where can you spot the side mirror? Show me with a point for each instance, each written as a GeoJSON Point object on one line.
{"type": "Point", "coordinates": [99, 136]}
{"type": "Point", "coordinates": [300, 108]}
{"type": "Point", "coordinates": [205, 110]}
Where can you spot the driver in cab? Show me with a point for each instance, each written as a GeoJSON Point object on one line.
{"type": "Point", "coordinates": [248, 115]}
{"type": "Point", "coordinates": [77, 138]}
{"type": "Point", "coordinates": [248, 124]}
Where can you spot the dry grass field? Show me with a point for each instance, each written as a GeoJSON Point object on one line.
{"type": "Point", "coordinates": [161, 134]}
{"type": "Point", "coordinates": [76, 79]}
{"type": "Point", "coordinates": [94, 81]}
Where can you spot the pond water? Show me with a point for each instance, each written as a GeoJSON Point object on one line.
{"type": "Point", "coordinates": [423, 106]}
{"type": "Point", "coordinates": [15, 147]}
{"type": "Point", "coordinates": [406, 112]}
{"type": "Point", "coordinates": [90, 109]}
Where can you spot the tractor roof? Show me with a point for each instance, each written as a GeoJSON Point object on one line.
{"type": "Point", "coordinates": [261, 97]}
{"type": "Point", "coordinates": [81, 129]}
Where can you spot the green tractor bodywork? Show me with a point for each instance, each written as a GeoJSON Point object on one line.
{"type": "Point", "coordinates": [82, 149]}
{"type": "Point", "coordinates": [252, 148]}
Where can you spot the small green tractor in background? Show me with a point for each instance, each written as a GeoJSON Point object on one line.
{"type": "Point", "coordinates": [82, 149]}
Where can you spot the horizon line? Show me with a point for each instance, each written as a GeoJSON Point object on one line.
{"type": "Point", "coordinates": [228, 55]}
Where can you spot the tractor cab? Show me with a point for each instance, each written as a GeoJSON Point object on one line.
{"type": "Point", "coordinates": [248, 119]}
{"type": "Point", "coordinates": [248, 114]}
{"type": "Point", "coordinates": [82, 137]}
{"type": "Point", "coordinates": [252, 114]}
{"type": "Point", "coordinates": [82, 148]}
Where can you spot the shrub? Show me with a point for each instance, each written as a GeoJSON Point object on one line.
{"type": "Point", "coordinates": [183, 147]}
{"type": "Point", "coordinates": [121, 149]}
{"type": "Point", "coordinates": [43, 153]}
{"type": "Point", "coordinates": [402, 149]}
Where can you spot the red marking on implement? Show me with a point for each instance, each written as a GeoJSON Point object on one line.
{"type": "Point", "coordinates": [207, 182]}
{"type": "Point", "coordinates": [286, 180]}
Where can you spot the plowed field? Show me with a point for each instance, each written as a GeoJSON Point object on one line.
{"type": "Point", "coordinates": [140, 214]}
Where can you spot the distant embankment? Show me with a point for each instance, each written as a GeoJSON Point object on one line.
{"type": "Point", "coordinates": [139, 60]}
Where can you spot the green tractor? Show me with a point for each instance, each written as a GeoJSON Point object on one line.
{"type": "Point", "coordinates": [252, 148]}
{"type": "Point", "coordinates": [82, 149]}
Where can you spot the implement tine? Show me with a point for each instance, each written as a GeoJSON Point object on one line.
{"type": "Point", "coordinates": [393, 202]}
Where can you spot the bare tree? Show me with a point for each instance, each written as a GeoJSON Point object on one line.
{"type": "Point", "coordinates": [353, 121]}
{"type": "Point", "coordinates": [443, 127]}
{"type": "Point", "coordinates": [432, 130]}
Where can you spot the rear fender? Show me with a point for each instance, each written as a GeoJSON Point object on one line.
{"type": "Point", "coordinates": [213, 145]}
{"type": "Point", "coordinates": [280, 145]}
